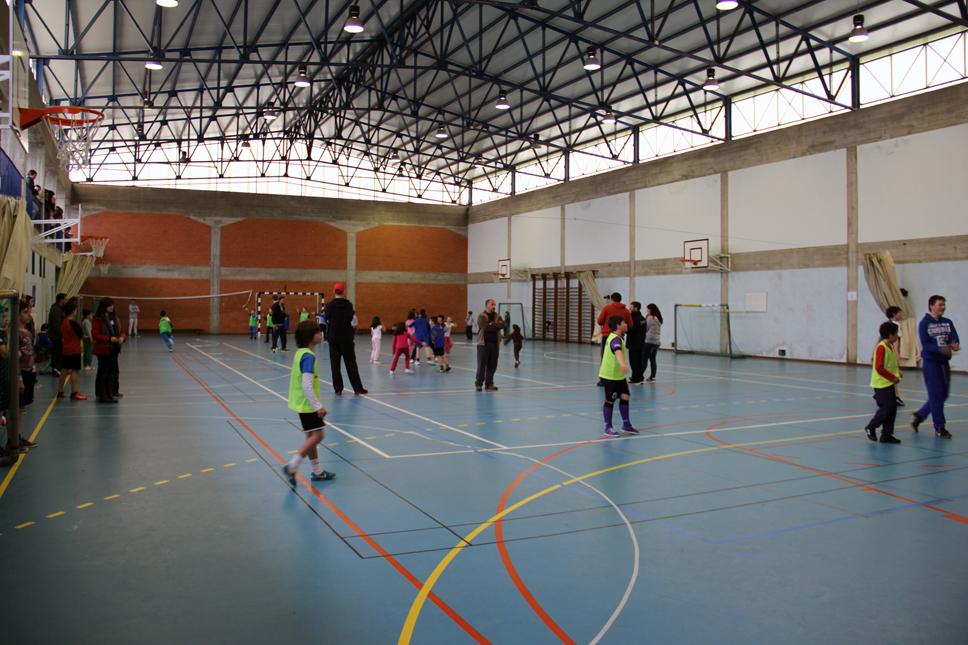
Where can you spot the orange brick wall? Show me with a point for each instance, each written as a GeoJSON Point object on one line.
{"type": "Point", "coordinates": [411, 248]}
{"type": "Point", "coordinates": [391, 302]}
{"type": "Point", "coordinates": [295, 244]}
{"type": "Point", "coordinates": [185, 314]}
{"type": "Point", "coordinates": [150, 239]}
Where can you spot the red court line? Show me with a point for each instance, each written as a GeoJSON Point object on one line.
{"type": "Point", "coordinates": [850, 482]}
{"type": "Point", "coordinates": [402, 570]}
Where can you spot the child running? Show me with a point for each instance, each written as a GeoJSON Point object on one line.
{"type": "Point", "coordinates": [449, 325]}
{"type": "Point", "coordinates": [885, 375]}
{"type": "Point", "coordinates": [164, 328]}
{"type": "Point", "coordinates": [612, 373]}
{"type": "Point", "coordinates": [376, 335]}
{"type": "Point", "coordinates": [401, 347]}
{"type": "Point", "coordinates": [437, 342]}
{"type": "Point", "coordinates": [304, 399]}
{"type": "Point", "coordinates": [518, 339]}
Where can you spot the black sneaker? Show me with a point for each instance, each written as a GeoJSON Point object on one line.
{"type": "Point", "coordinates": [899, 401]}
{"type": "Point", "coordinates": [890, 439]}
{"type": "Point", "coordinates": [24, 441]}
{"type": "Point", "coordinates": [322, 477]}
{"type": "Point", "coordinates": [600, 384]}
{"type": "Point", "coordinates": [361, 392]}
{"type": "Point", "coordinates": [478, 388]}
{"type": "Point", "coordinates": [942, 434]}
{"type": "Point", "coordinates": [630, 430]}
{"type": "Point", "coordinates": [916, 421]}
{"type": "Point", "coordinates": [290, 476]}
{"type": "Point", "coordinates": [490, 388]}
{"type": "Point", "coordinates": [871, 433]}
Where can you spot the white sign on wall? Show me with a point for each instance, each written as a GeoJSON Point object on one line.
{"type": "Point", "coordinates": [756, 301]}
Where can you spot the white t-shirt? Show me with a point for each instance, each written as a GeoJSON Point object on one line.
{"type": "Point", "coordinates": [133, 309]}
{"type": "Point", "coordinates": [376, 333]}
{"type": "Point", "coordinates": [448, 326]}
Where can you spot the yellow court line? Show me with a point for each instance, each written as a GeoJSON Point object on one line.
{"type": "Point", "coordinates": [232, 465]}
{"type": "Point", "coordinates": [53, 515]}
{"type": "Point", "coordinates": [16, 466]}
{"type": "Point", "coordinates": [24, 525]}
{"type": "Point", "coordinates": [251, 460]}
{"type": "Point", "coordinates": [81, 507]}
{"type": "Point", "coordinates": [185, 476]}
{"type": "Point", "coordinates": [111, 497]}
{"type": "Point", "coordinates": [137, 490]}
{"type": "Point", "coordinates": [161, 482]}
{"type": "Point", "coordinates": [418, 602]}
{"type": "Point", "coordinates": [208, 470]}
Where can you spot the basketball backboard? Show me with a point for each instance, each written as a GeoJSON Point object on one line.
{"type": "Point", "coordinates": [698, 252]}
{"type": "Point", "coordinates": [504, 269]}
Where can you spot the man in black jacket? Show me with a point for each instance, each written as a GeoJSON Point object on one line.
{"type": "Point", "coordinates": [55, 317]}
{"type": "Point", "coordinates": [278, 313]}
{"type": "Point", "coordinates": [340, 332]}
{"type": "Point", "coordinates": [635, 343]}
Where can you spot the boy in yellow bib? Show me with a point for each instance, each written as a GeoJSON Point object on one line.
{"type": "Point", "coordinates": [612, 375]}
{"type": "Point", "coordinates": [304, 399]}
{"type": "Point", "coordinates": [885, 374]}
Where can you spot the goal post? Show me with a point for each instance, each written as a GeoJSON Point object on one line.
{"type": "Point", "coordinates": [704, 329]}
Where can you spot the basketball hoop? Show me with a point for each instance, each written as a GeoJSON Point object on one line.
{"type": "Point", "coordinates": [72, 127]}
{"type": "Point", "coordinates": [689, 263]}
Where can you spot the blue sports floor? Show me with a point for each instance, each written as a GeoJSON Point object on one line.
{"type": "Point", "coordinates": [752, 509]}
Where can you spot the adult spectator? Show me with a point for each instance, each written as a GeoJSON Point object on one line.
{"type": "Point", "coordinates": [55, 317]}
{"type": "Point", "coordinates": [635, 342]}
{"type": "Point", "coordinates": [469, 321]}
{"type": "Point", "coordinates": [33, 209]}
{"type": "Point", "coordinates": [278, 313]}
{"type": "Point", "coordinates": [133, 311]}
{"type": "Point", "coordinates": [614, 308]}
{"type": "Point", "coordinates": [106, 332]}
{"type": "Point", "coordinates": [489, 326]}
{"type": "Point", "coordinates": [340, 334]}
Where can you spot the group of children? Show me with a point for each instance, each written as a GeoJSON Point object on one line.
{"type": "Point", "coordinates": [416, 332]}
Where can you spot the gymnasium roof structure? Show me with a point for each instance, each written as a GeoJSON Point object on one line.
{"type": "Point", "coordinates": [408, 107]}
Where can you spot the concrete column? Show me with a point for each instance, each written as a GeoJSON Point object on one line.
{"type": "Point", "coordinates": [214, 279]}
{"type": "Point", "coordinates": [724, 250]}
{"type": "Point", "coordinates": [852, 260]}
{"type": "Point", "coordinates": [561, 252]}
{"type": "Point", "coordinates": [508, 295]}
{"type": "Point", "coordinates": [351, 264]}
{"type": "Point", "coordinates": [631, 246]}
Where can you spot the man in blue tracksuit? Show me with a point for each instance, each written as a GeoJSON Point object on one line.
{"type": "Point", "coordinates": [938, 340]}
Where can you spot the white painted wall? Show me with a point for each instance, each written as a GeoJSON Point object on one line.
{"type": "Point", "coordinates": [536, 239]}
{"type": "Point", "coordinates": [914, 187]}
{"type": "Point", "coordinates": [598, 230]}
{"type": "Point", "coordinates": [789, 204]}
{"type": "Point", "coordinates": [922, 281]}
{"type": "Point", "coordinates": [667, 215]}
{"type": "Point", "coordinates": [665, 291]}
{"type": "Point", "coordinates": [487, 242]}
{"type": "Point", "coordinates": [477, 294]}
{"type": "Point", "coordinates": [806, 313]}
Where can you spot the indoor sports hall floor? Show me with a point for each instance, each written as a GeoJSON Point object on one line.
{"type": "Point", "coordinates": [751, 509]}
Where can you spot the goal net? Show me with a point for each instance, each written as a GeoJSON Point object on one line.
{"type": "Point", "coordinates": [704, 329]}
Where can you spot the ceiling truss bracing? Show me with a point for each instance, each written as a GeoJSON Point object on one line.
{"type": "Point", "coordinates": [422, 65]}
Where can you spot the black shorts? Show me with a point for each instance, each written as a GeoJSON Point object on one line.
{"type": "Point", "coordinates": [615, 389]}
{"type": "Point", "coordinates": [30, 380]}
{"type": "Point", "coordinates": [71, 362]}
{"type": "Point", "coordinates": [311, 421]}
{"type": "Point", "coordinates": [438, 351]}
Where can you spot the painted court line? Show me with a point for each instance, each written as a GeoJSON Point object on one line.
{"type": "Point", "coordinates": [13, 469]}
{"type": "Point", "coordinates": [383, 403]}
{"type": "Point", "coordinates": [284, 399]}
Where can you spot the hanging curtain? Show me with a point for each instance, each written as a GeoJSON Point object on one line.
{"type": "Point", "coordinates": [16, 236]}
{"type": "Point", "coordinates": [74, 272]}
{"type": "Point", "coordinates": [590, 286]}
{"type": "Point", "coordinates": [882, 281]}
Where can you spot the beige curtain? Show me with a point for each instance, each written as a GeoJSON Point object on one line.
{"type": "Point", "coordinates": [16, 236]}
{"type": "Point", "coordinates": [590, 286]}
{"type": "Point", "coordinates": [882, 281]}
{"type": "Point", "coordinates": [74, 272]}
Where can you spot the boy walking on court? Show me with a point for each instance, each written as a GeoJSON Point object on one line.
{"type": "Point", "coordinates": [304, 400]}
{"type": "Point", "coordinates": [938, 340]}
{"type": "Point", "coordinates": [885, 375]}
{"type": "Point", "coordinates": [612, 374]}
{"type": "Point", "coordinates": [164, 328]}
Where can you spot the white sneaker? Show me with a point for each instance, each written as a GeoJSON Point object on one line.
{"type": "Point", "coordinates": [391, 372]}
{"type": "Point", "coordinates": [408, 371]}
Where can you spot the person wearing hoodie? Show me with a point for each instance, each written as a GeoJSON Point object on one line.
{"type": "Point", "coordinates": [340, 334]}
{"type": "Point", "coordinates": [939, 340]}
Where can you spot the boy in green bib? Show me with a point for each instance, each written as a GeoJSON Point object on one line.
{"type": "Point", "coordinates": [165, 329]}
{"type": "Point", "coordinates": [885, 374]}
{"type": "Point", "coordinates": [612, 374]}
{"type": "Point", "coordinates": [304, 399]}
{"type": "Point", "coordinates": [253, 325]}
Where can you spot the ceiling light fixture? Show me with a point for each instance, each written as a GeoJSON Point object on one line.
{"type": "Point", "coordinates": [270, 113]}
{"type": "Point", "coordinates": [167, 4]}
{"type": "Point", "coordinates": [858, 34]}
{"type": "Point", "coordinates": [246, 144]}
{"type": "Point", "coordinates": [153, 64]}
{"type": "Point", "coordinates": [710, 84]}
{"type": "Point", "coordinates": [303, 79]}
{"type": "Point", "coordinates": [727, 5]}
{"type": "Point", "coordinates": [353, 24]}
{"type": "Point", "coordinates": [502, 102]}
{"type": "Point", "coordinates": [609, 117]}
{"type": "Point", "coordinates": [395, 157]}
{"type": "Point", "coordinates": [591, 60]}
{"type": "Point", "coordinates": [441, 133]}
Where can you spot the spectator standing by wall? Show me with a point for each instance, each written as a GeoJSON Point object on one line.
{"type": "Point", "coordinates": [133, 311]}
{"type": "Point", "coordinates": [489, 326]}
{"type": "Point", "coordinates": [469, 321]}
{"type": "Point", "coordinates": [278, 313]}
{"type": "Point", "coordinates": [55, 317]}
{"type": "Point", "coordinates": [634, 343]}
{"type": "Point", "coordinates": [107, 345]}
{"type": "Point", "coordinates": [340, 334]}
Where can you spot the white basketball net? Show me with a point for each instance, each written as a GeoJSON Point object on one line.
{"type": "Point", "coordinates": [74, 141]}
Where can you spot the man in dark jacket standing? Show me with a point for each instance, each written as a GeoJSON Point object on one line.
{"type": "Point", "coordinates": [340, 334]}
{"type": "Point", "coordinates": [635, 343]}
{"type": "Point", "coordinates": [489, 326]}
{"type": "Point", "coordinates": [55, 318]}
{"type": "Point", "coordinates": [278, 313]}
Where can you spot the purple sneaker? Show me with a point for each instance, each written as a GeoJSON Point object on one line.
{"type": "Point", "coordinates": [611, 432]}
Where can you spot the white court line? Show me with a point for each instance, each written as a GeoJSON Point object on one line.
{"type": "Point", "coordinates": [649, 436]}
{"type": "Point", "coordinates": [388, 405]}
{"type": "Point", "coordinates": [279, 396]}
{"type": "Point", "coordinates": [505, 375]}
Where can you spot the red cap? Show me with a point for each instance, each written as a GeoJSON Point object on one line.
{"type": "Point", "coordinates": [339, 287]}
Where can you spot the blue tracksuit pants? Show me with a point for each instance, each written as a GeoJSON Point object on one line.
{"type": "Point", "coordinates": [937, 380]}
